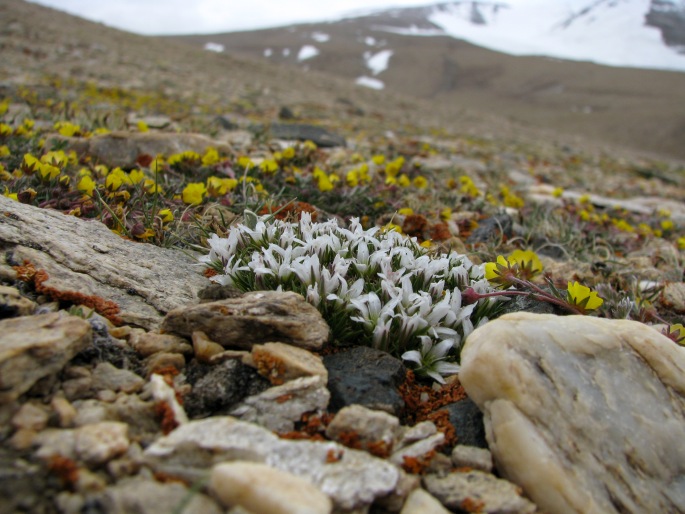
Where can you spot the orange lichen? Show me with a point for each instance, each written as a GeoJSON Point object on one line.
{"type": "Point", "coordinates": [472, 505]}
{"type": "Point", "coordinates": [165, 414]}
{"type": "Point", "coordinates": [166, 478]}
{"type": "Point", "coordinates": [311, 427]}
{"type": "Point", "coordinates": [285, 398]}
{"type": "Point", "coordinates": [65, 468]}
{"type": "Point", "coordinates": [350, 438]}
{"type": "Point", "coordinates": [210, 272]}
{"type": "Point", "coordinates": [414, 225]}
{"type": "Point", "coordinates": [28, 273]}
{"type": "Point", "coordinates": [440, 232]}
{"type": "Point", "coordinates": [333, 456]}
{"type": "Point", "coordinates": [269, 367]}
{"type": "Point", "coordinates": [417, 465]}
{"type": "Point", "coordinates": [379, 449]}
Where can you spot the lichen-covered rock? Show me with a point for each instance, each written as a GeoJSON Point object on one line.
{"type": "Point", "coordinates": [586, 414]}
{"type": "Point", "coordinates": [256, 317]}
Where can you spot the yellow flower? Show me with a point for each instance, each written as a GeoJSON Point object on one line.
{"type": "Point", "coordinates": [142, 126]}
{"type": "Point", "coordinates": [101, 170]}
{"type": "Point", "coordinates": [184, 157]}
{"type": "Point", "coordinates": [116, 178]}
{"type": "Point", "coordinates": [324, 181]}
{"type": "Point", "coordinates": [406, 211]}
{"type": "Point", "coordinates": [558, 192]}
{"type": "Point", "coordinates": [211, 157]}
{"type": "Point", "coordinates": [352, 178]}
{"type": "Point", "coordinates": [499, 272]}
{"type": "Point", "coordinates": [151, 187]}
{"type": "Point", "coordinates": [67, 129]}
{"type": "Point", "coordinates": [420, 182]}
{"type": "Point", "coordinates": [390, 227]}
{"type": "Point", "coordinates": [310, 146]}
{"type": "Point", "coordinates": [245, 162]}
{"type": "Point", "coordinates": [193, 193]}
{"type": "Point", "coordinates": [378, 159]}
{"type": "Point", "coordinates": [623, 225]}
{"type": "Point", "coordinates": [403, 180]}
{"type": "Point", "coordinates": [681, 243]}
{"type": "Point", "coordinates": [392, 169]}
{"type": "Point", "coordinates": [11, 196]}
{"type": "Point", "coordinates": [288, 153]}
{"type": "Point", "coordinates": [217, 186]}
{"type": "Point", "coordinates": [584, 200]}
{"type": "Point", "coordinates": [427, 243]}
{"type": "Point", "coordinates": [166, 215]}
{"type": "Point", "coordinates": [5, 130]}
{"type": "Point", "coordinates": [527, 260]}
{"type": "Point", "coordinates": [48, 171]}
{"type": "Point", "coordinates": [86, 185]}
{"type": "Point", "coordinates": [4, 151]}
{"type": "Point", "coordinates": [136, 176]}
{"type": "Point", "coordinates": [583, 297]}
{"type": "Point", "coordinates": [676, 333]}
{"type": "Point", "coordinates": [666, 225]}
{"type": "Point", "coordinates": [468, 187]}
{"type": "Point", "coordinates": [4, 105]}
{"type": "Point", "coordinates": [269, 166]}
{"type": "Point", "coordinates": [55, 158]}
{"type": "Point", "coordinates": [446, 214]}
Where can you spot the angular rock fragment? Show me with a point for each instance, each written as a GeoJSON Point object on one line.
{"type": "Point", "coordinates": [351, 478]}
{"type": "Point", "coordinates": [586, 414]}
{"type": "Point", "coordinates": [281, 362]}
{"type": "Point", "coordinates": [33, 347]}
{"type": "Point", "coordinates": [256, 317]}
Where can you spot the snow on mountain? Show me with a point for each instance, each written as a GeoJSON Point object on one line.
{"type": "Point", "coordinates": [612, 32]}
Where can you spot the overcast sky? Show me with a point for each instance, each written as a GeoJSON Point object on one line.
{"type": "Point", "coordinates": [207, 16]}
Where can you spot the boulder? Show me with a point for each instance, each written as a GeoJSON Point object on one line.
{"type": "Point", "coordinates": [585, 414]}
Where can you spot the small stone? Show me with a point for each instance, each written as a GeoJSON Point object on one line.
{"type": "Point", "coordinates": [418, 432]}
{"type": "Point", "coordinates": [260, 488]}
{"type": "Point", "coordinates": [149, 343]}
{"type": "Point", "coordinates": [422, 502]}
{"type": "Point", "coordinates": [98, 443]}
{"type": "Point", "coordinates": [256, 317]}
{"type": "Point", "coordinates": [673, 296]}
{"type": "Point", "coordinates": [162, 361]}
{"type": "Point", "coordinates": [303, 132]}
{"type": "Point", "coordinates": [467, 420]}
{"type": "Point", "coordinates": [279, 362]}
{"type": "Point", "coordinates": [585, 414]}
{"type": "Point", "coordinates": [368, 427]}
{"type": "Point", "coordinates": [143, 496]}
{"type": "Point", "coordinates": [12, 303]}
{"type": "Point", "coordinates": [365, 376]}
{"type": "Point", "coordinates": [56, 442]}
{"type": "Point", "coordinates": [66, 413]}
{"type": "Point", "coordinates": [108, 377]}
{"type": "Point", "coordinates": [475, 491]}
{"type": "Point", "coordinates": [280, 407]}
{"type": "Point", "coordinates": [472, 457]}
{"type": "Point", "coordinates": [23, 439]}
{"type": "Point", "coordinates": [30, 416]}
{"type": "Point", "coordinates": [77, 388]}
{"type": "Point", "coordinates": [34, 347]}
{"type": "Point", "coordinates": [204, 348]}
{"type": "Point", "coordinates": [418, 449]}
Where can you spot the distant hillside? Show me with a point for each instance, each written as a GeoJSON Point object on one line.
{"type": "Point", "coordinates": [636, 108]}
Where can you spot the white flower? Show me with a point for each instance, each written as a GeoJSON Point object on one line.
{"type": "Point", "coordinates": [430, 359]}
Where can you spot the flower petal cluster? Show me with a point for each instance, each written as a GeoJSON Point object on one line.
{"type": "Point", "coordinates": [583, 297]}
{"type": "Point", "coordinates": [373, 287]}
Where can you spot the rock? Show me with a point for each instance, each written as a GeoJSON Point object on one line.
{"type": "Point", "coordinates": [204, 348]}
{"type": "Point", "coordinates": [351, 478]}
{"type": "Point", "coordinates": [418, 449]}
{"type": "Point", "coordinates": [66, 413]}
{"type": "Point", "coordinates": [164, 393]}
{"type": "Point", "coordinates": [30, 416]}
{"type": "Point", "coordinates": [475, 491]}
{"type": "Point", "coordinates": [472, 457]}
{"type": "Point", "coordinates": [85, 257]}
{"type": "Point", "coordinates": [422, 502]}
{"type": "Point", "coordinates": [673, 296]}
{"type": "Point", "coordinates": [467, 421]}
{"type": "Point", "coordinates": [106, 376]}
{"type": "Point", "coordinates": [256, 317]}
{"type": "Point", "coordinates": [279, 407]}
{"type": "Point", "coordinates": [216, 389]}
{"type": "Point", "coordinates": [365, 376]}
{"type": "Point", "coordinates": [162, 361]}
{"type": "Point", "coordinates": [152, 497]}
{"type": "Point", "coordinates": [13, 304]}
{"type": "Point", "coordinates": [279, 362]}
{"type": "Point", "coordinates": [34, 347]}
{"type": "Point", "coordinates": [585, 414]}
{"type": "Point", "coordinates": [22, 484]}
{"type": "Point", "coordinates": [123, 148]}
{"type": "Point", "coordinates": [149, 343]}
{"type": "Point", "coordinates": [416, 433]}
{"type": "Point", "coordinates": [303, 132]}
{"type": "Point", "coordinates": [98, 443]}
{"type": "Point", "coordinates": [156, 122]}
{"type": "Point", "coordinates": [261, 488]}
{"type": "Point", "coordinates": [491, 229]}
{"type": "Point", "coordinates": [370, 429]}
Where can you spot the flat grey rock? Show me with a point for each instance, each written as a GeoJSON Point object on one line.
{"type": "Point", "coordinates": [587, 415]}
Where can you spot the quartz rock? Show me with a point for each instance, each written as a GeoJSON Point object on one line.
{"type": "Point", "coordinates": [585, 414]}
{"type": "Point", "coordinates": [34, 347]}
{"type": "Point", "coordinates": [260, 488]}
{"type": "Point", "coordinates": [472, 457]}
{"type": "Point", "coordinates": [256, 317]}
{"type": "Point", "coordinates": [422, 502]}
{"type": "Point", "coordinates": [351, 478]}
{"type": "Point", "coordinates": [98, 443]}
{"type": "Point", "coordinates": [280, 362]}
{"type": "Point", "coordinates": [369, 427]}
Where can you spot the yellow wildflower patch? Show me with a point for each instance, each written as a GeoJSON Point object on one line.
{"type": "Point", "coordinates": [193, 193]}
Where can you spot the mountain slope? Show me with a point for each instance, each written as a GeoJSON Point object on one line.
{"type": "Point", "coordinates": [636, 108]}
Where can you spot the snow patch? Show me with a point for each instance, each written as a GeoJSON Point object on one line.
{"type": "Point", "coordinates": [321, 37]}
{"type": "Point", "coordinates": [286, 52]}
{"type": "Point", "coordinates": [378, 62]}
{"type": "Point", "coordinates": [214, 47]}
{"type": "Point", "coordinates": [307, 52]}
{"type": "Point", "coordinates": [268, 52]}
{"type": "Point", "coordinates": [370, 41]}
{"type": "Point", "coordinates": [369, 82]}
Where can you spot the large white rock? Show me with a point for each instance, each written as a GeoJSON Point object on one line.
{"type": "Point", "coordinates": [586, 414]}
